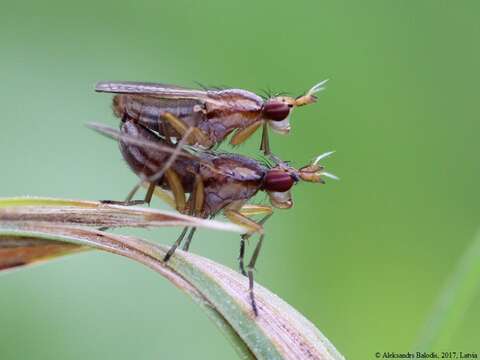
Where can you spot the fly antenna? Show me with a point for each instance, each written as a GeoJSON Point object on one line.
{"type": "Point", "coordinates": [310, 97]}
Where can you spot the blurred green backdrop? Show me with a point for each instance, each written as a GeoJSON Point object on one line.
{"type": "Point", "coordinates": [363, 258]}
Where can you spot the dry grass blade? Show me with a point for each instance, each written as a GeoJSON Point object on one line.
{"type": "Point", "coordinates": [279, 332]}
{"type": "Point", "coordinates": [27, 210]}
{"type": "Point", "coordinates": [27, 250]}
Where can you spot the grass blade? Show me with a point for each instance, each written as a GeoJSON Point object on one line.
{"type": "Point", "coordinates": [28, 210]}
{"type": "Point", "coordinates": [279, 332]}
{"type": "Point", "coordinates": [17, 251]}
{"type": "Point", "coordinates": [453, 302]}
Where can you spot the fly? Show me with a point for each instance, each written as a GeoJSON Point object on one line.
{"type": "Point", "coordinates": [212, 114]}
{"type": "Point", "coordinates": [206, 183]}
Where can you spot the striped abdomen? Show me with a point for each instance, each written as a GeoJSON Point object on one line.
{"type": "Point", "coordinates": [217, 115]}
{"type": "Point", "coordinates": [148, 110]}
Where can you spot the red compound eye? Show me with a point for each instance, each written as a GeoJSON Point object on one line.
{"type": "Point", "coordinates": [278, 181]}
{"type": "Point", "coordinates": [275, 110]}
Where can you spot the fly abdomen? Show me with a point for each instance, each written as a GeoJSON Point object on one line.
{"type": "Point", "coordinates": [142, 161]}
{"type": "Point", "coordinates": [147, 163]}
{"type": "Point", "coordinates": [148, 111]}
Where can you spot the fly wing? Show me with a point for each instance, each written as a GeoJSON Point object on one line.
{"type": "Point", "coordinates": [185, 151]}
{"type": "Point", "coordinates": [238, 167]}
{"type": "Point", "coordinates": [163, 91]}
{"type": "Point", "coordinates": [132, 140]}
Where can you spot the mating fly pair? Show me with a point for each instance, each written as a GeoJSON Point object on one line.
{"type": "Point", "coordinates": [166, 136]}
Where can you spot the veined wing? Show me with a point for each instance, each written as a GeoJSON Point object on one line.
{"type": "Point", "coordinates": [151, 89]}
{"type": "Point", "coordinates": [155, 146]}
{"type": "Point", "coordinates": [132, 140]}
{"type": "Point", "coordinates": [234, 166]}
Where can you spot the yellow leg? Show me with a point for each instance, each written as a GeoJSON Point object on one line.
{"type": "Point", "coordinates": [164, 195]}
{"type": "Point", "coordinates": [148, 195]}
{"type": "Point", "coordinates": [237, 218]}
{"type": "Point", "coordinates": [198, 196]}
{"type": "Point", "coordinates": [179, 195]}
{"type": "Point", "coordinates": [243, 134]}
{"type": "Point", "coordinates": [177, 189]}
{"type": "Point", "coordinates": [196, 136]}
{"type": "Point", "coordinates": [196, 202]}
{"type": "Point", "coordinates": [250, 210]}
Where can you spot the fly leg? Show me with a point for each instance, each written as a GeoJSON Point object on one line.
{"type": "Point", "coordinates": [196, 136]}
{"type": "Point", "coordinates": [165, 130]}
{"type": "Point", "coordinates": [123, 203]}
{"type": "Point", "coordinates": [175, 245]}
{"type": "Point", "coordinates": [243, 134]}
{"type": "Point", "coordinates": [237, 218]}
{"type": "Point", "coordinates": [132, 193]}
{"type": "Point", "coordinates": [165, 196]}
{"type": "Point", "coordinates": [253, 227]}
{"type": "Point", "coordinates": [186, 245]}
{"type": "Point", "coordinates": [196, 206]}
{"type": "Point", "coordinates": [129, 202]}
{"type": "Point", "coordinates": [250, 210]}
{"type": "Point", "coordinates": [149, 194]}
{"type": "Point", "coordinates": [251, 264]}
{"type": "Point", "coordinates": [197, 200]}
{"type": "Point", "coordinates": [241, 255]}
{"type": "Point", "coordinates": [265, 144]}
{"type": "Point", "coordinates": [244, 239]}
{"type": "Point", "coordinates": [176, 186]}
{"type": "Point", "coordinates": [251, 267]}
{"type": "Point", "coordinates": [151, 190]}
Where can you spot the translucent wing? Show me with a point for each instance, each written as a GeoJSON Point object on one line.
{"type": "Point", "coordinates": [146, 144]}
{"type": "Point", "coordinates": [151, 89]}
{"type": "Point", "coordinates": [162, 148]}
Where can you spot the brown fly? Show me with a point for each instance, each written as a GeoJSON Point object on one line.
{"type": "Point", "coordinates": [206, 183]}
{"type": "Point", "coordinates": [213, 114]}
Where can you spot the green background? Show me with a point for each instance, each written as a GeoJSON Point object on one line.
{"type": "Point", "coordinates": [364, 258]}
